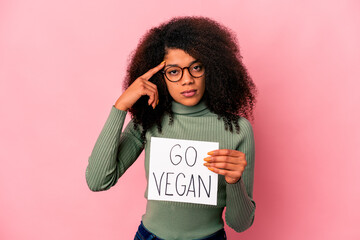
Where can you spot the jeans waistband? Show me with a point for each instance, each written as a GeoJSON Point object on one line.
{"type": "Point", "coordinates": [144, 234]}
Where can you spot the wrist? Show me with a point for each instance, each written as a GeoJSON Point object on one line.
{"type": "Point", "coordinates": [233, 182]}
{"type": "Point", "coordinates": [121, 107]}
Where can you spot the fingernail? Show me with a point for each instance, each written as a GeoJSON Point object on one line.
{"type": "Point", "coordinates": [207, 159]}
{"type": "Point", "coordinates": [206, 164]}
{"type": "Point", "coordinates": [163, 62]}
{"type": "Point", "coordinates": [157, 102]}
{"type": "Point", "coordinates": [210, 153]}
{"type": "Point", "coordinates": [211, 169]}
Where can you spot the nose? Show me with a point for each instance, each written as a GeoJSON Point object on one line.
{"type": "Point", "coordinates": [186, 77]}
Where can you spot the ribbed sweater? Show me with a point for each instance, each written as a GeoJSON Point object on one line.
{"type": "Point", "coordinates": [116, 150]}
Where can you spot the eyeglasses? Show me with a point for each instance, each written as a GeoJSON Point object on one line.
{"type": "Point", "coordinates": [175, 73]}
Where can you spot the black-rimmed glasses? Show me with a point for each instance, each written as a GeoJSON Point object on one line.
{"type": "Point", "coordinates": [175, 73]}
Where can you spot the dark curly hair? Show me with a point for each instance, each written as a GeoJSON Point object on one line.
{"type": "Point", "coordinates": [229, 90]}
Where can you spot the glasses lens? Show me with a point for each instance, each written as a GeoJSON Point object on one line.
{"type": "Point", "coordinates": [173, 73]}
{"type": "Point", "coordinates": [197, 69]}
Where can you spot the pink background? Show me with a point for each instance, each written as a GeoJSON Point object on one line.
{"type": "Point", "coordinates": [61, 69]}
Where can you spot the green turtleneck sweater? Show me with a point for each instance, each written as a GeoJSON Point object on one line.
{"type": "Point", "coordinates": [115, 151]}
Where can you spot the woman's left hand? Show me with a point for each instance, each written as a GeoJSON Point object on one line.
{"type": "Point", "coordinates": [230, 163]}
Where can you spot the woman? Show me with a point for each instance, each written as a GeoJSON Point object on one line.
{"type": "Point", "coordinates": [200, 91]}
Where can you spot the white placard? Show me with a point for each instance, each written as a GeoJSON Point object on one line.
{"type": "Point", "coordinates": [177, 173]}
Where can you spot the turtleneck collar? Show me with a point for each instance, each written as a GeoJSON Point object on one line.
{"type": "Point", "coordinates": [198, 110]}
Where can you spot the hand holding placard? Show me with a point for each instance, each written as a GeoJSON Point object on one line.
{"type": "Point", "coordinates": [227, 162]}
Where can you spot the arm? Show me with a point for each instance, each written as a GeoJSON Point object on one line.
{"type": "Point", "coordinates": [238, 168]}
{"type": "Point", "coordinates": [114, 152]}
{"type": "Point", "coordinates": [240, 206]}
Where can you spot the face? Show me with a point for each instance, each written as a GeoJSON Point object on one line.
{"type": "Point", "coordinates": [189, 90]}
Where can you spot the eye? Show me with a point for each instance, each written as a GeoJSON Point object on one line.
{"type": "Point", "coordinates": [197, 67]}
{"type": "Point", "coordinates": [172, 71]}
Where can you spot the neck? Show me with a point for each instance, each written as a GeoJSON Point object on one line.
{"type": "Point", "coordinates": [194, 111]}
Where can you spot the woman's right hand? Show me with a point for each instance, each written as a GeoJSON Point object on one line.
{"type": "Point", "coordinates": [140, 87]}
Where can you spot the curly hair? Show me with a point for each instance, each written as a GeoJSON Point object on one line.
{"type": "Point", "coordinates": [229, 90]}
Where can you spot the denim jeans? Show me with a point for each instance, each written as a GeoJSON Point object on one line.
{"type": "Point", "coordinates": [144, 234]}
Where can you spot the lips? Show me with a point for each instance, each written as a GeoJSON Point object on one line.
{"type": "Point", "coordinates": [189, 93]}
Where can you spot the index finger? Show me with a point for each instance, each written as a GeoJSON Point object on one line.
{"type": "Point", "coordinates": [226, 152]}
{"type": "Point", "coordinates": [152, 71]}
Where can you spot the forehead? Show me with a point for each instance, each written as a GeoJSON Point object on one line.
{"type": "Point", "coordinates": [178, 57]}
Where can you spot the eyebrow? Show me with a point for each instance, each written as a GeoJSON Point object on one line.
{"type": "Point", "coordinates": [176, 65]}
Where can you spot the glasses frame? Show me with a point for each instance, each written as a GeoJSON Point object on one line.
{"type": "Point", "coordinates": [182, 71]}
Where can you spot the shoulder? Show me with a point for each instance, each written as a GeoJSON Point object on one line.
{"type": "Point", "coordinates": [246, 130]}
{"type": "Point", "coordinates": [245, 124]}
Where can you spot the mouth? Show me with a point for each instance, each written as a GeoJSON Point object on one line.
{"type": "Point", "coordinates": [189, 93]}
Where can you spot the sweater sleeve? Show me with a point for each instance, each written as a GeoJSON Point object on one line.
{"type": "Point", "coordinates": [114, 152]}
{"type": "Point", "coordinates": [240, 206]}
